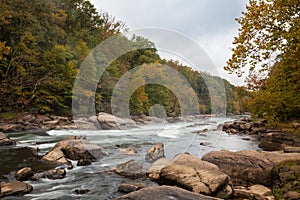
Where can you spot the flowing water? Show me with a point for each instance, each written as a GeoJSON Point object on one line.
{"type": "Point", "coordinates": [177, 138]}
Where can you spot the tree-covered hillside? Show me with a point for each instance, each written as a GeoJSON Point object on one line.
{"type": "Point", "coordinates": [43, 43]}
{"type": "Point", "coordinates": [269, 45]}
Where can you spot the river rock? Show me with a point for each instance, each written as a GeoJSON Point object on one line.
{"type": "Point", "coordinates": [258, 192]}
{"type": "Point", "coordinates": [50, 174]}
{"type": "Point", "coordinates": [76, 149]}
{"type": "Point", "coordinates": [156, 152]}
{"type": "Point", "coordinates": [249, 167]}
{"type": "Point", "coordinates": [244, 126]}
{"type": "Point", "coordinates": [202, 181]}
{"type": "Point", "coordinates": [164, 192]}
{"type": "Point", "coordinates": [55, 155]}
{"type": "Point", "coordinates": [154, 171]}
{"type": "Point", "coordinates": [108, 122]}
{"type": "Point", "coordinates": [193, 162]}
{"type": "Point", "coordinates": [84, 162]}
{"type": "Point", "coordinates": [14, 189]}
{"type": "Point", "coordinates": [129, 150]}
{"type": "Point", "coordinates": [5, 141]}
{"type": "Point", "coordinates": [244, 167]}
{"type": "Point", "coordinates": [24, 174]}
{"type": "Point", "coordinates": [81, 191]}
{"type": "Point", "coordinates": [130, 168]}
{"type": "Point", "coordinates": [130, 187]}
{"type": "Point", "coordinates": [275, 141]}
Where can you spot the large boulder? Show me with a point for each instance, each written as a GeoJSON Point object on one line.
{"type": "Point", "coordinates": [249, 167]}
{"type": "Point", "coordinates": [80, 149]}
{"type": "Point", "coordinates": [108, 122]}
{"type": "Point", "coordinates": [199, 176]}
{"type": "Point", "coordinates": [164, 192]}
{"type": "Point", "coordinates": [4, 140]}
{"type": "Point", "coordinates": [130, 168]}
{"type": "Point", "coordinates": [74, 149]}
{"type": "Point", "coordinates": [55, 155]}
{"type": "Point", "coordinates": [156, 152]}
{"type": "Point", "coordinates": [14, 189]}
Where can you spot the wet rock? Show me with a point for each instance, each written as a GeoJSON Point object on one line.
{"type": "Point", "coordinates": [5, 141]}
{"type": "Point", "coordinates": [292, 195]}
{"type": "Point", "coordinates": [50, 174]}
{"type": "Point", "coordinates": [74, 149]}
{"type": "Point", "coordinates": [130, 168]}
{"type": "Point", "coordinates": [55, 155]}
{"type": "Point", "coordinates": [205, 143]}
{"type": "Point", "coordinates": [154, 153]}
{"type": "Point", "coordinates": [15, 189]}
{"type": "Point", "coordinates": [24, 174]}
{"type": "Point", "coordinates": [154, 171]}
{"type": "Point", "coordinates": [129, 150]}
{"type": "Point", "coordinates": [108, 122]}
{"type": "Point", "coordinates": [249, 167]}
{"type": "Point", "coordinates": [258, 192]}
{"type": "Point", "coordinates": [130, 187]}
{"type": "Point", "coordinates": [164, 192]}
{"type": "Point", "coordinates": [81, 191]}
{"type": "Point", "coordinates": [84, 162]}
{"type": "Point", "coordinates": [246, 138]}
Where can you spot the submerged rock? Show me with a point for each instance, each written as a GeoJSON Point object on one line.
{"type": "Point", "coordinates": [164, 192]}
{"type": "Point", "coordinates": [15, 189]}
{"type": "Point", "coordinates": [156, 152]}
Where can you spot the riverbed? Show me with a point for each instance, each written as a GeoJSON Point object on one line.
{"type": "Point", "coordinates": [177, 138]}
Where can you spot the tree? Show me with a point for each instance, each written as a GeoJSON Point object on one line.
{"type": "Point", "coordinates": [268, 44]}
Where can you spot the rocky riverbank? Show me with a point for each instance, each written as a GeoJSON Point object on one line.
{"type": "Point", "coordinates": [246, 174]}
{"type": "Point", "coordinates": [104, 121]}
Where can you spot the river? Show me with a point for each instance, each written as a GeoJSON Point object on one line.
{"type": "Point", "coordinates": [177, 138]}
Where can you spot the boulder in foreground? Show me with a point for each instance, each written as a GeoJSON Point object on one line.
{"type": "Point", "coordinates": [15, 189]}
{"type": "Point", "coordinates": [164, 192]}
{"type": "Point", "coordinates": [191, 173]}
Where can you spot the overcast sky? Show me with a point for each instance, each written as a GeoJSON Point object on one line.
{"type": "Point", "coordinates": [210, 23]}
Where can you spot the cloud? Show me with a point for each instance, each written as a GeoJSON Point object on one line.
{"type": "Point", "coordinates": [209, 22]}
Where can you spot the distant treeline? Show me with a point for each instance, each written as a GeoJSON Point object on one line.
{"type": "Point", "coordinates": [44, 42]}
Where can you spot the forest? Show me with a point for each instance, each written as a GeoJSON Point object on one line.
{"type": "Point", "coordinates": [44, 42]}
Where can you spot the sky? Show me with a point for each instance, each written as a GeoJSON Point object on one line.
{"type": "Point", "coordinates": [209, 23]}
